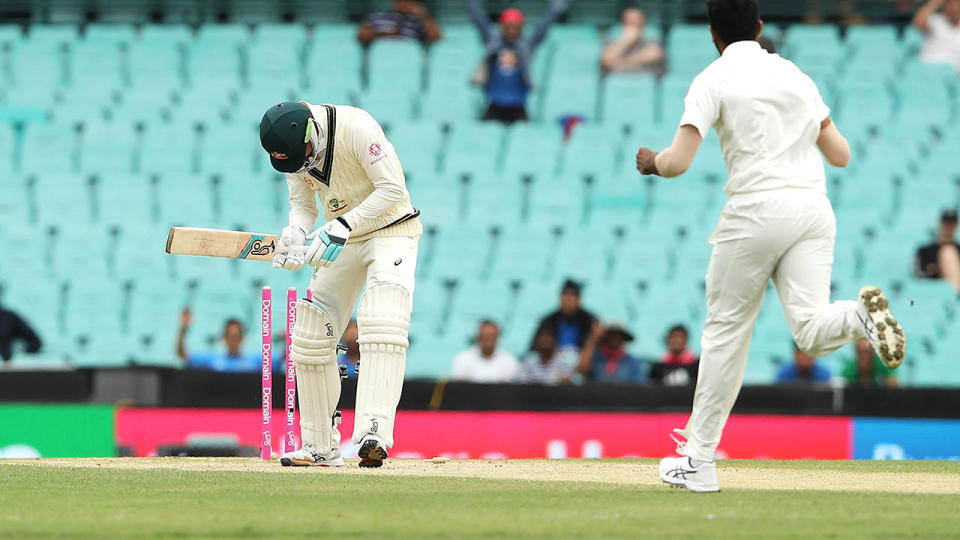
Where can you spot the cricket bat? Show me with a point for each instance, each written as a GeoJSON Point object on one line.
{"type": "Point", "coordinates": [221, 243]}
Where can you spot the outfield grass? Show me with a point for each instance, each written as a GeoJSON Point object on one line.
{"type": "Point", "coordinates": [101, 502]}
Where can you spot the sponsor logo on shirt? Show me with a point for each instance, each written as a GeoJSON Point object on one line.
{"type": "Point", "coordinates": [376, 151]}
{"type": "Point", "coordinates": [336, 204]}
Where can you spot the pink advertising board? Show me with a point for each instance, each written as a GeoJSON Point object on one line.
{"type": "Point", "coordinates": [500, 435]}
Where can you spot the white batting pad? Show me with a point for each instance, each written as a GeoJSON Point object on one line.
{"type": "Point", "coordinates": [314, 350]}
{"type": "Point", "coordinates": [383, 319]}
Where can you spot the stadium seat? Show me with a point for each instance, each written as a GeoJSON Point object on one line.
{"type": "Point", "coordinates": [628, 99]}
{"type": "Point", "coordinates": [397, 66]}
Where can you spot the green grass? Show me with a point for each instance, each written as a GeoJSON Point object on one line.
{"type": "Point", "coordinates": [100, 503]}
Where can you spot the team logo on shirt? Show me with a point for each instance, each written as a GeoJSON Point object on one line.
{"type": "Point", "coordinates": [278, 155]}
{"type": "Point", "coordinates": [336, 205]}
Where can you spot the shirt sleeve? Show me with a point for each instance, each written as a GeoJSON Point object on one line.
{"type": "Point", "coordinates": [303, 203]}
{"type": "Point", "coordinates": [820, 109]}
{"type": "Point", "coordinates": [701, 107]}
{"type": "Point", "coordinates": [373, 151]}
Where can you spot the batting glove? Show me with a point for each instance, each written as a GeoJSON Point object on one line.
{"type": "Point", "coordinates": [291, 248]}
{"type": "Point", "coordinates": [327, 243]}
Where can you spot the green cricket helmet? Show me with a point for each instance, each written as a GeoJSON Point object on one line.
{"type": "Point", "coordinates": [284, 133]}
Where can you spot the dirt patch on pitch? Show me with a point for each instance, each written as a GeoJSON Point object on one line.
{"type": "Point", "coordinates": [639, 473]}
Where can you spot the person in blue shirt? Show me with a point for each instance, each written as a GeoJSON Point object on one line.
{"type": "Point", "coordinates": [233, 360]}
{"type": "Point", "coordinates": [505, 71]}
{"type": "Point", "coordinates": [610, 362]}
{"type": "Point", "coordinates": [803, 370]}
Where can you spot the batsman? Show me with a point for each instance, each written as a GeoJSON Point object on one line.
{"type": "Point", "coordinates": [368, 242]}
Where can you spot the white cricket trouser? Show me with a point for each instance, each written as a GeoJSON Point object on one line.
{"type": "Point", "coordinates": [388, 259]}
{"type": "Point", "coordinates": [387, 267]}
{"type": "Point", "coordinates": [786, 235]}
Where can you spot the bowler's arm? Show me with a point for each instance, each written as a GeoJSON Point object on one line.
{"type": "Point", "coordinates": [676, 158]}
{"type": "Point", "coordinates": [833, 145]}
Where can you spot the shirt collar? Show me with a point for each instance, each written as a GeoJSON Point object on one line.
{"type": "Point", "coordinates": [745, 46]}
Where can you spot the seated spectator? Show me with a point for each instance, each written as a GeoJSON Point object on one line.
{"type": "Point", "coordinates": [610, 361]}
{"type": "Point", "coordinates": [803, 370]}
{"type": "Point", "coordinates": [348, 352]}
{"type": "Point", "coordinates": [942, 30]}
{"type": "Point", "coordinates": [233, 360]}
{"type": "Point", "coordinates": [407, 20]}
{"type": "Point", "coordinates": [632, 52]}
{"type": "Point", "coordinates": [867, 370]}
{"type": "Point", "coordinates": [547, 364]}
{"type": "Point", "coordinates": [677, 353]}
{"type": "Point", "coordinates": [504, 72]}
{"type": "Point", "coordinates": [14, 328]}
{"type": "Point", "coordinates": [941, 259]}
{"type": "Point", "coordinates": [485, 362]}
{"type": "Point", "coordinates": [678, 366]}
{"type": "Point", "coordinates": [570, 323]}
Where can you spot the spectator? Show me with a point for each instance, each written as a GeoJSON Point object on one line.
{"type": "Point", "coordinates": [631, 52]}
{"type": "Point", "coordinates": [545, 363]}
{"type": "Point", "coordinates": [575, 327]}
{"type": "Point", "coordinates": [677, 353]}
{"type": "Point", "coordinates": [941, 259]}
{"type": "Point", "coordinates": [942, 30]}
{"type": "Point", "coordinates": [610, 362]}
{"type": "Point", "coordinates": [867, 370]}
{"type": "Point", "coordinates": [234, 360]}
{"type": "Point", "coordinates": [485, 362]}
{"type": "Point", "coordinates": [678, 366]}
{"type": "Point", "coordinates": [348, 353]}
{"type": "Point", "coordinates": [14, 328]}
{"type": "Point", "coordinates": [504, 72]}
{"type": "Point", "coordinates": [804, 369]}
{"type": "Point", "coordinates": [407, 20]}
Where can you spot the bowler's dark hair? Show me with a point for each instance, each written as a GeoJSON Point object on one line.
{"type": "Point", "coordinates": [734, 20]}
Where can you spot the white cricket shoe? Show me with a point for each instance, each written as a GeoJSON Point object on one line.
{"type": "Point", "coordinates": [677, 471]}
{"type": "Point", "coordinates": [372, 451]}
{"type": "Point", "coordinates": [880, 328]}
{"type": "Point", "coordinates": [308, 456]}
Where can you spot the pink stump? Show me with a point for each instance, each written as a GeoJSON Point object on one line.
{"type": "Point", "coordinates": [266, 375]}
{"type": "Point", "coordinates": [290, 394]}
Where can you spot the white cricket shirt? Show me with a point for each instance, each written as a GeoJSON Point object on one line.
{"type": "Point", "coordinates": [471, 366]}
{"type": "Point", "coordinates": [943, 41]}
{"type": "Point", "coordinates": [767, 114]}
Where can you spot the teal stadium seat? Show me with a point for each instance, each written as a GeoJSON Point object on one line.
{"type": "Point", "coordinates": [591, 151]}
{"type": "Point", "coordinates": [417, 145]}
{"type": "Point", "coordinates": [396, 65]}
{"type": "Point", "coordinates": [473, 147]}
{"type": "Point", "coordinates": [331, 50]}
{"type": "Point", "coordinates": [689, 49]}
{"type": "Point", "coordinates": [628, 99]}
{"type": "Point", "coordinates": [214, 56]}
{"type": "Point", "coordinates": [160, 54]}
